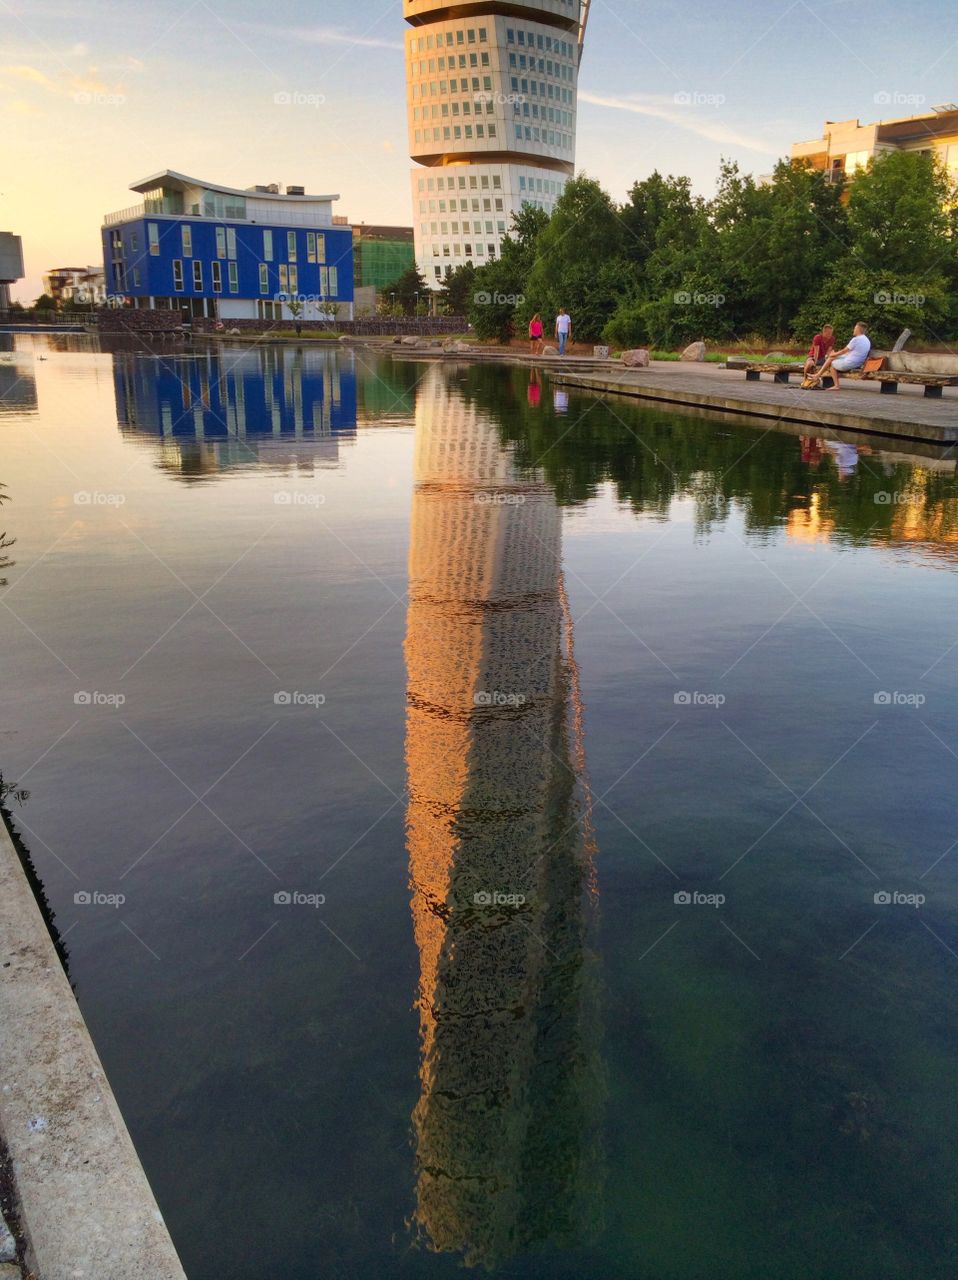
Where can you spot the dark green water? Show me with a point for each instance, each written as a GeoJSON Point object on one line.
{"type": "Point", "coordinates": [506, 678]}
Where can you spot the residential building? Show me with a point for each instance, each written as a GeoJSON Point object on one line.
{"type": "Point", "coordinates": [491, 102]}
{"type": "Point", "coordinates": [11, 265]}
{"type": "Point", "coordinates": [847, 145]}
{"type": "Point", "coordinates": [82, 285]}
{"type": "Point", "coordinates": [229, 254]}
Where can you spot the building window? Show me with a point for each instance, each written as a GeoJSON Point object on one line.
{"type": "Point", "coordinates": [263, 278]}
{"type": "Point", "coordinates": [310, 246]}
{"type": "Point", "coordinates": [198, 276]}
{"type": "Point", "coordinates": [283, 278]}
{"type": "Point", "coordinates": [291, 245]}
{"type": "Point", "coordinates": [187, 236]}
{"type": "Point", "coordinates": [177, 274]}
{"type": "Point", "coordinates": [134, 242]}
{"type": "Point", "coordinates": [321, 248]}
{"type": "Point", "coordinates": [293, 279]}
{"type": "Point", "coordinates": [217, 273]}
{"type": "Point", "coordinates": [268, 246]}
{"type": "Point", "coordinates": [333, 281]}
{"type": "Point", "coordinates": [153, 235]}
{"type": "Point", "coordinates": [221, 242]}
{"type": "Point", "coordinates": [136, 275]}
{"type": "Point", "coordinates": [231, 242]}
{"type": "Point", "coordinates": [233, 271]}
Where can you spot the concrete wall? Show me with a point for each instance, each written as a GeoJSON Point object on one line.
{"type": "Point", "coordinates": [85, 1202]}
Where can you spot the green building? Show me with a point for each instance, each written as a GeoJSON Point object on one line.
{"type": "Point", "coordinates": [381, 255]}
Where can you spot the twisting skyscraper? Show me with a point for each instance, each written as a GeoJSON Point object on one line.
{"type": "Point", "coordinates": [491, 97]}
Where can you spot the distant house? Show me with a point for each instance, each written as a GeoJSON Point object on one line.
{"type": "Point", "coordinates": [227, 254]}
{"type": "Point", "coordinates": [847, 145]}
{"type": "Point", "coordinates": [82, 285]}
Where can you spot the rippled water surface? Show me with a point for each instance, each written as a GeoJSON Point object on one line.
{"type": "Point", "coordinates": [491, 827]}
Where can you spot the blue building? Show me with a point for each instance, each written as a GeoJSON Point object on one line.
{"type": "Point", "coordinates": [229, 254]}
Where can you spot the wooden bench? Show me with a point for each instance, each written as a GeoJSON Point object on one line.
{"type": "Point", "coordinates": [779, 372]}
{"type": "Point", "coordinates": [934, 384]}
{"type": "Point", "coordinates": [873, 371]}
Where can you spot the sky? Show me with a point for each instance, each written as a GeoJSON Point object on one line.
{"type": "Point", "coordinates": [97, 94]}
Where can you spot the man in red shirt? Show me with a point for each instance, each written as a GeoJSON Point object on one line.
{"type": "Point", "coordinates": [822, 344]}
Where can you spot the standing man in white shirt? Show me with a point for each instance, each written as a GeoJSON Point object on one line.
{"type": "Point", "coordinates": [849, 358]}
{"type": "Point", "coordinates": [563, 329]}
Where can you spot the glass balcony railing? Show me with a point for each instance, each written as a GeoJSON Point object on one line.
{"type": "Point", "coordinates": [266, 217]}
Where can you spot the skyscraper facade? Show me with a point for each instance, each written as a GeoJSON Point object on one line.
{"type": "Point", "coordinates": [491, 97]}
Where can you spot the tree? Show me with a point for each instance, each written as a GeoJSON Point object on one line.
{"type": "Point", "coordinates": [409, 288]}
{"type": "Point", "coordinates": [458, 288]}
{"type": "Point", "coordinates": [897, 214]}
{"type": "Point", "coordinates": [45, 302]}
{"type": "Point", "coordinates": [580, 261]}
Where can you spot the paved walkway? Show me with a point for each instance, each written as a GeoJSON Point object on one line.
{"type": "Point", "coordinates": [858, 406]}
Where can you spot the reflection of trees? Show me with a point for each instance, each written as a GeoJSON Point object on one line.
{"type": "Point", "coordinates": [507, 1156]}
{"type": "Point", "coordinates": [653, 457]}
{"type": "Point", "coordinates": [5, 542]}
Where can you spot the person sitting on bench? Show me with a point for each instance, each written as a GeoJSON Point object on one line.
{"type": "Point", "coordinates": [822, 344]}
{"type": "Point", "coordinates": [848, 359]}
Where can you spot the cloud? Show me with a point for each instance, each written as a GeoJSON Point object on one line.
{"type": "Point", "coordinates": [660, 107]}
{"type": "Point", "coordinates": [326, 35]}
{"type": "Point", "coordinates": [67, 84]}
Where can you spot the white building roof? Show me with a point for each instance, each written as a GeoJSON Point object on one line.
{"type": "Point", "coordinates": [174, 181]}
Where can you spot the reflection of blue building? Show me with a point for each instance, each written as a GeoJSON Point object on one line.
{"type": "Point", "coordinates": [222, 252]}
{"type": "Point", "coordinates": [302, 399]}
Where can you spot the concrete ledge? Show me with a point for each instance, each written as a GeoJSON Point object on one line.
{"type": "Point", "coordinates": [85, 1202]}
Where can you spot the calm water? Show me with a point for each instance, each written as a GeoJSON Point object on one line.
{"type": "Point", "coordinates": [506, 678]}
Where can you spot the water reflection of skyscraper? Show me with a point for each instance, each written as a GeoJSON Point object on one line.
{"type": "Point", "coordinates": [214, 407]}
{"type": "Point", "coordinates": [499, 864]}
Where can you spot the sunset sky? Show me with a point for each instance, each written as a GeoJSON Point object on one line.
{"type": "Point", "coordinates": [97, 94]}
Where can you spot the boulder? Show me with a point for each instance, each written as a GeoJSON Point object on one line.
{"type": "Point", "coordinates": [694, 351]}
{"type": "Point", "coordinates": [636, 359]}
{"type": "Point", "coordinates": [775, 355]}
{"type": "Point", "coordinates": [550, 351]}
{"type": "Point", "coordinates": [410, 342]}
{"type": "Point", "coordinates": [234, 333]}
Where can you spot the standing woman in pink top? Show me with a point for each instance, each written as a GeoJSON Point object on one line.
{"type": "Point", "coordinates": [535, 334]}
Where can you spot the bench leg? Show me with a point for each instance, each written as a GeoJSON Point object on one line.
{"type": "Point", "coordinates": [889, 388]}
{"type": "Point", "coordinates": [752, 375]}
{"type": "Point", "coordinates": [934, 393]}
{"type": "Point", "coordinates": [780, 375]}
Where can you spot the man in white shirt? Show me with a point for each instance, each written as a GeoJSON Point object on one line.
{"type": "Point", "coordinates": [851, 357]}
{"type": "Point", "coordinates": [563, 329]}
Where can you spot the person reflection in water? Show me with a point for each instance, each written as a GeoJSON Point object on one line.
{"type": "Point", "coordinates": [535, 390]}
{"type": "Point", "coordinates": [846, 456]}
{"type": "Point", "coordinates": [560, 400]}
{"type": "Point", "coordinates": [501, 863]}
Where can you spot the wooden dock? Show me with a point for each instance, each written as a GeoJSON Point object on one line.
{"type": "Point", "coordinates": [857, 407]}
